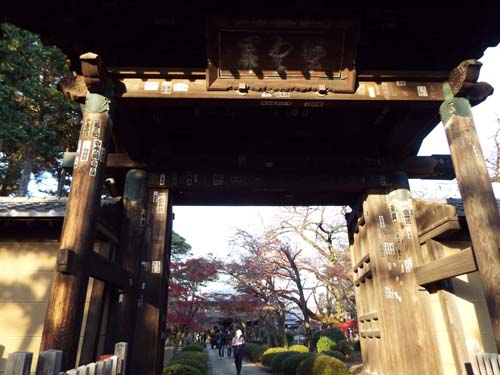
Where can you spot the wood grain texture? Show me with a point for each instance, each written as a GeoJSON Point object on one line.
{"type": "Point", "coordinates": [392, 245]}
{"type": "Point", "coordinates": [480, 208]}
{"type": "Point", "coordinates": [67, 299]}
{"type": "Point", "coordinates": [131, 252]}
{"type": "Point", "coordinates": [95, 317]}
{"type": "Point", "coordinates": [444, 268]}
{"type": "Point", "coordinates": [149, 337]}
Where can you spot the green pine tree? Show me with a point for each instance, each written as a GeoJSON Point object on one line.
{"type": "Point", "coordinates": [37, 122]}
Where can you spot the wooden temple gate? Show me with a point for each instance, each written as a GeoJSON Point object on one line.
{"type": "Point", "coordinates": [290, 111]}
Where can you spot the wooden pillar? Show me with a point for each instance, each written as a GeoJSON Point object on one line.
{"type": "Point", "coordinates": [67, 299]}
{"type": "Point", "coordinates": [481, 210]}
{"type": "Point", "coordinates": [394, 321]}
{"type": "Point", "coordinates": [131, 251]}
{"type": "Point", "coordinates": [149, 341]}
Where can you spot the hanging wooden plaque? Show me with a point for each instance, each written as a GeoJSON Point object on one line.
{"type": "Point", "coordinates": [281, 55]}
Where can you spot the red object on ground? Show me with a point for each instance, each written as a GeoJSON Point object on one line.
{"type": "Point", "coordinates": [105, 356]}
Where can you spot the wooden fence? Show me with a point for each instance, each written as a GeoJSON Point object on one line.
{"type": "Point", "coordinates": [49, 363]}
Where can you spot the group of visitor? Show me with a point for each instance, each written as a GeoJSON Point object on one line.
{"type": "Point", "coordinates": [225, 342]}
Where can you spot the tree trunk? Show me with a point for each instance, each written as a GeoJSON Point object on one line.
{"type": "Point", "coordinates": [178, 337]}
{"type": "Point", "coordinates": [60, 182]}
{"type": "Point", "coordinates": [307, 325]}
{"type": "Point", "coordinates": [281, 329]}
{"type": "Point", "coordinates": [24, 179]}
{"type": "Point", "coordinates": [271, 334]}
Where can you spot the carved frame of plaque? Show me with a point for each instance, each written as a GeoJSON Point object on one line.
{"type": "Point", "coordinates": [281, 54]}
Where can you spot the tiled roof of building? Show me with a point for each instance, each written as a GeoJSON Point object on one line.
{"type": "Point", "coordinates": [36, 207]}
{"type": "Point", "coordinates": [33, 207]}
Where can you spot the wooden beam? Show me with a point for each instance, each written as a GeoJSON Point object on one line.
{"type": "Point", "coordinates": [444, 268]}
{"type": "Point", "coordinates": [291, 182]}
{"type": "Point", "coordinates": [108, 233]}
{"type": "Point", "coordinates": [481, 210]}
{"type": "Point", "coordinates": [423, 167]}
{"type": "Point", "coordinates": [445, 226]}
{"type": "Point", "coordinates": [101, 268]}
{"type": "Point", "coordinates": [62, 326]}
{"type": "Point", "coordinates": [427, 93]}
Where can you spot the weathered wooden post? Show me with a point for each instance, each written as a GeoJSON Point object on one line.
{"type": "Point", "coordinates": [481, 210]}
{"type": "Point", "coordinates": [19, 363]}
{"type": "Point", "coordinates": [149, 340]}
{"type": "Point", "coordinates": [49, 362]}
{"type": "Point", "coordinates": [131, 252]}
{"type": "Point", "coordinates": [394, 321]}
{"type": "Point", "coordinates": [67, 299]}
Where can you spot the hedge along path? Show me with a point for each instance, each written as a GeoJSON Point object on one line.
{"type": "Point", "coordinates": [226, 366]}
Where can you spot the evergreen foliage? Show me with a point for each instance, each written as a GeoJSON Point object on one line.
{"type": "Point", "coordinates": [278, 359]}
{"type": "Point", "coordinates": [333, 332]}
{"type": "Point", "coordinates": [179, 369]}
{"type": "Point", "coordinates": [325, 343]}
{"type": "Point", "coordinates": [299, 348]}
{"type": "Point", "coordinates": [291, 363]}
{"type": "Point", "coordinates": [322, 365]}
{"type": "Point", "coordinates": [268, 355]}
{"type": "Point", "coordinates": [38, 122]}
{"type": "Point", "coordinates": [336, 354]}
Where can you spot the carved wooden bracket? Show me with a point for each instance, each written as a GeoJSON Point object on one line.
{"type": "Point", "coordinates": [463, 82]}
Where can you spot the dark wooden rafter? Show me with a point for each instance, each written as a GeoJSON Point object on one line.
{"type": "Point", "coordinates": [424, 167]}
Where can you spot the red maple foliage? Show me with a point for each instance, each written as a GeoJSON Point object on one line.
{"type": "Point", "coordinates": [186, 301]}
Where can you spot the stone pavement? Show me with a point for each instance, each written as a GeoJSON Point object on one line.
{"type": "Point", "coordinates": [226, 366]}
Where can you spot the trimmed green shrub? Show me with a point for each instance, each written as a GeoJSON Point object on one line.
{"type": "Point", "coordinates": [299, 348]}
{"type": "Point", "coordinates": [197, 347]}
{"type": "Point", "coordinates": [278, 359]}
{"type": "Point", "coordinates": [325, 343]}
{"type": "Point", "coordinates": [267, 356]}
{"type": "Point", "coordinates": [178, 369]}
{"type": "Point", "coordinates": [257, 353]}
{"type": "Point", "coordinates": [322, 365]}
{"type": "Point", "coordinates": [201, 366]}
{"type": "Point", "coordinates": [334, 333]}
{"type": "Point", "coordinates": [290, 364]}
{"type": "Point", "coordinates": [249, 348]}
{"type": "Point", "coordinates": [192, 356]}
{"type": "Point", "coordinates": [345, 346]}
{"type": "Point", "coordinates": [335, 354]}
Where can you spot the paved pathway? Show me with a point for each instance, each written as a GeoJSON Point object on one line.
{"type": "Point", "coordinates": [226, 366]}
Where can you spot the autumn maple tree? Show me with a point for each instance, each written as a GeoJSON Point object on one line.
{"type": "Point", "coordinates": [323, 230]}
{"type": "Point", "coordinates": [186, 300]}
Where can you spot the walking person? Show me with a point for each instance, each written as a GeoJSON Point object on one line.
{"type": "Point", "coordinates": [228, 342]}
{"type": "Point", "coordinates": [238, 345]}
{"type": "Point", "coordinates": [220, 344]}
